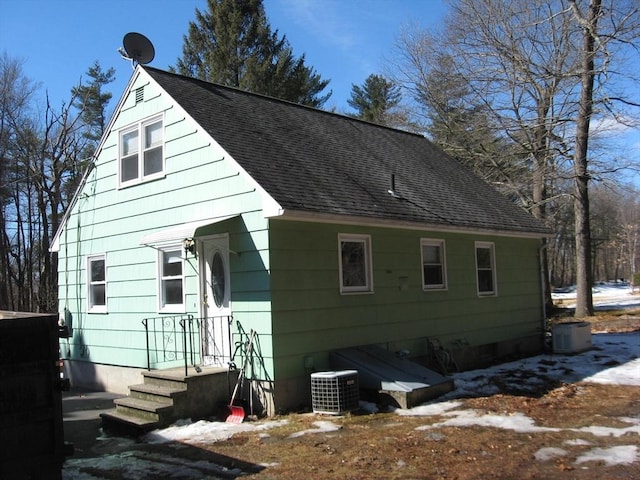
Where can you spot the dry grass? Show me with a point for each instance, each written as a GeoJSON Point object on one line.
{"type": "Point", "coordinates": [389, 446]}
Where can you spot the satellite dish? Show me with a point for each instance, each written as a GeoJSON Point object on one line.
{"type": "Point", "coordinates": [137, 48]}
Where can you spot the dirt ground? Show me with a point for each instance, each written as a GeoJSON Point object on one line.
{"type": "Point", "coordinates": [387, 446]}
{"type": "Point", "coordinates": [390, 446]}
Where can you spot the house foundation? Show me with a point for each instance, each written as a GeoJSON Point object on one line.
{"type": "Point", "coordinates": [100, 377]}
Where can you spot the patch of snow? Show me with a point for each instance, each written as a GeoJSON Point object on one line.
{"type": "Point", "coordinates": [578, 442]}
{"type": "Point", "coordinates": [614, 360]}
{"type": "Point", "coordinates": [606, 296]}
{"type": "Point", "coordinates": [321, 427]}
{"type": "Point", "coordinates": [204, 431]}
{"type": "Point", "coordinates": [625, 374]}
{"type": "Point", "coordinates": [428, 409]}
{"type": "Point", "coordinates": [467, 418]}
{"type": "Point", "coordinates": [624, 454]}
{"type": "Point", "coordinates": [549, 453]}
{"type": "Point", "coordinates": [609, 431]}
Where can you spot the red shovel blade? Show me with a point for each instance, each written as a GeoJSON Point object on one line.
{"type": "Point", "coordinates": [236, 414]}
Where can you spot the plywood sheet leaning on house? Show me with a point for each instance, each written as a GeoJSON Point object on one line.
{"type": "Point", "coordinates": [402, 381]}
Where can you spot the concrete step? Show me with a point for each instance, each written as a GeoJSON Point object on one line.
{"type": "Point", "coordinates": [144, 409]}
{"type": "Point", "coordinates": [123, 423]}
{"type": "Point", "coordinates": [157, 393]}
{"type": "Point", "coordinates": [162, 378]}
{"type": "Point", "coordinates": [167, 395]}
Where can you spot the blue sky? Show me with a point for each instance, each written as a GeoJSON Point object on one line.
{"type": "Point", "coordinates": [345, 41]}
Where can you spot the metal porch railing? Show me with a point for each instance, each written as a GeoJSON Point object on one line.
{"type": "Point", "coordinates": [174, 338]}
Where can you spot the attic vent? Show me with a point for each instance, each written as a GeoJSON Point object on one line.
{"type": "Point", "coordinates": [139, 94]}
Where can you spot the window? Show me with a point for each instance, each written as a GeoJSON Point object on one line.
{"type": "Point", "coordinates": [486, 269]}
{"type": "Point", "coordinates": [218, 279]}
{"type": "Point", "coordinates": [171, 276]}
{"type": "Point", "coordinates": [355, 263]}
{"type": "Point", "coordinates": [96, 284]}
{"type": "Point", "coordinates": [141, 152]}
{"type": "Point", "coordinates": [434, 273]}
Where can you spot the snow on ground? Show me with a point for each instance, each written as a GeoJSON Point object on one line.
{"type": "Point", "coordinates": [606, 296]}
{"type": "Point", "coordinates": [205, 432]}
{"type": "Point", "coordinates": [614, 359]}
{"type": "Point", "coordinates": [321, 426]}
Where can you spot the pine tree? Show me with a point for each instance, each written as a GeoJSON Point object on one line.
{"type": "Point", "coordinates": [232, 44]}
{"type": "Point", "coordinates": [375, 99]}
{"type": "Point", "coordinates": [91, 101]}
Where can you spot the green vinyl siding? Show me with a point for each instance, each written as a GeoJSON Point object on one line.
{"type": "Point", "coordinates": [311, 317]}
{"type": "Point", "coordinates": [200, 181]}
{"type": "Point", "coordinates": [284, 275]}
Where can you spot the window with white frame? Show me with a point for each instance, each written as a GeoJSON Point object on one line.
{"type": "Point", "coordinates": [171, 279]}
{"type": "Point", "coordinates": [434, 271]}
{"type": "Point", "coordinates": [355, 263]}
{"type": "Point", "coordinates": [97, 284]}
{"type": "Point", "coordinates": [486, 268]}
{"type": "Point", "coordinates": [141, 155]}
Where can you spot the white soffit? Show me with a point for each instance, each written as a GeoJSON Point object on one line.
{"type": "Point", "coordinates": [180, 232]}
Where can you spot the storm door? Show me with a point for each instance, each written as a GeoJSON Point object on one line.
{"type": "Point", "coordinates": [215, 294]}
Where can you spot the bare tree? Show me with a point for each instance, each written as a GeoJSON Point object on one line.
{"type": "Point", "coordinates": [507, 62]}
{"type": "Point", "coordinates": [589, 24]}
{"type": "Point", "coordinates": [521, 63]}
{"type": "Point", "coordinates": [16, 93]}
{"type": "Point", "coordinates": [598, 47]}
{"type": "Point", "coordinates": [39, 158]}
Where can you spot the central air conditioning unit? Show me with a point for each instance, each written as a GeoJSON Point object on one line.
{"type": "Point", "coordinates": [571, 337]}
{"type": "Point", "coordinates": [334, 393]}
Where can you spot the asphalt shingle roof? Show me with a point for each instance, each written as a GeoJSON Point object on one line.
{"type": "Point", "coordinates": [314, 161]}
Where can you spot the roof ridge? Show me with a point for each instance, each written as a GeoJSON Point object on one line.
{"type": "Point", "coordinates": [280, 100]}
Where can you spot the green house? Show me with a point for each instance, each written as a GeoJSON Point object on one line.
{"type": "Point", "coordinates": [210, 212]}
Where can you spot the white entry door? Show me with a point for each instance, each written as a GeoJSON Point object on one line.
{"type": "Point", "coordinates": [215, 287]}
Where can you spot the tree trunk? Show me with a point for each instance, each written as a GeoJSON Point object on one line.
{"type": "Point", "coordinates": [584, 298]}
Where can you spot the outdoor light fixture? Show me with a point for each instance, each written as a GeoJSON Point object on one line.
{"type": "Point", "coordinates": [189, 246]}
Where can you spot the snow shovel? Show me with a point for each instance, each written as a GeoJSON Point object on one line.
{"type": "Point", "coordinates": [237, 413]}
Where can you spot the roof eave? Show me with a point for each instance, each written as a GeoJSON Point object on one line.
{"type": "Point", "coordinates": [306, 216]}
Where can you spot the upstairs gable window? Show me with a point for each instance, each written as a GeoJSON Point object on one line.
{"type": "Point", "coordinates": [141, 155]}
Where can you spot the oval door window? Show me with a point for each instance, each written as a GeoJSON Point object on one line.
{"type": "Point", "coordinates": [218, 279]}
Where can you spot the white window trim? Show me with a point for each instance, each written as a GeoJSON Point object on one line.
{"type": "Point", "coordinates": [366, 241]}
{"type": "Point", "coordinates": [139, 127]}
{"type": "Point", "coordinates": [177, 307]}
{"type": "Point", "coordinates": [491, 247]}
{"type": "Point", "coordinates": [443, 262]}
{"type": "Point", "coordinates": [90, 307]}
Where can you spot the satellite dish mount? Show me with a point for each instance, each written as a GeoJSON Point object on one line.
{"type": "Point", "coordinates": [137, 48]}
